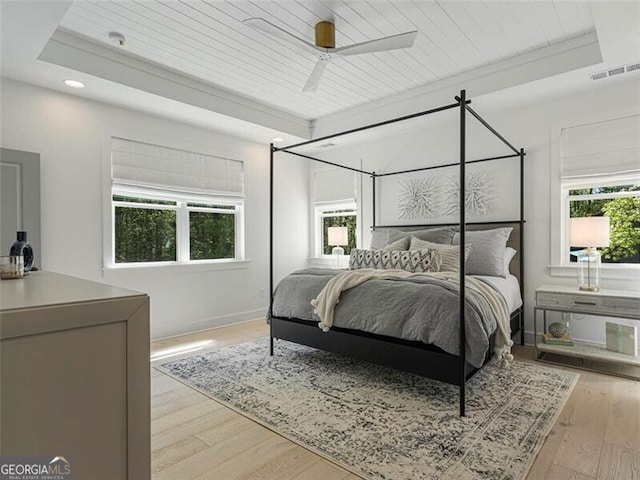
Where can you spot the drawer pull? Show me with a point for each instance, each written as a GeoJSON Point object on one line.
{"type": "Point", "coordinates": [584, 303]}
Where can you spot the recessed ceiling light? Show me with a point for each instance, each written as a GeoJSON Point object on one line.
{"type": "Point", "coordinates": [74, 84]}
{"type": "Point", "coordinates": [277, 140]}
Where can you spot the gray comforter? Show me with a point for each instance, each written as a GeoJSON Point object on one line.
{"type": "Point", "coordinates": [419, 308]}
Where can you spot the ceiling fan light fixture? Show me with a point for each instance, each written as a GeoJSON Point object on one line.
{"type": "Point", "coordinates": [325, 45]}
{"type": "Point", "coordinates": [325, 35]}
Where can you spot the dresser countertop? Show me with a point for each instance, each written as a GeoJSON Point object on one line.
{"type": "Point", "coordinates": [42, 289]}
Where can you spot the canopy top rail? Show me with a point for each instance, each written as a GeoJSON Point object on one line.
{"type": "Point", "coordinates": [289, 148]}
{"type": "Point", "coordinates": [373, 125]}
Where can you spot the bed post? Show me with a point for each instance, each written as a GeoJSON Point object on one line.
{"type": "Point", "coordinates": [522, 245]}
{"type": "Point", "coordinates": [373, 181]}
{"type": "Point", "coordinates": [271, 152]}
{"type": "Point", "coordinates": [462, 373]}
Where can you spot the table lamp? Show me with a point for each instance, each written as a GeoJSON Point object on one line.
{"type": "Point", "coordinates": [338, 236]}
{"type": "Point", "coordinates": [589, 232]}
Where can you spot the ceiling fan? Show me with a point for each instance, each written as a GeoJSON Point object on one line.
{"type": "Point", "coordinates": [325, 43]}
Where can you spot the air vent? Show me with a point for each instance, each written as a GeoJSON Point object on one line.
{"type": "Point", "coordinates": [616, 71]}
{"type": "Point", "coordinates": [632, 67]}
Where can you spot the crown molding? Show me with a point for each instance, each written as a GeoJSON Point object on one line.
{"type": "Point", "coordinates": [572, 54]}
{"type": "Point", "coordinates": [79, 53]}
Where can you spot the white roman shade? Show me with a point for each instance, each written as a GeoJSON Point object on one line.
{"type": "Point", "coordinates": [145, 165]}
{"type": "Point", "coordinates": [604, 148]}
{"type": "Point", "coordinates": [335, 185]}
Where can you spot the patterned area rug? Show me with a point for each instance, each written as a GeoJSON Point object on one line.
{"type": "Point", "coordinates": [384, 424]}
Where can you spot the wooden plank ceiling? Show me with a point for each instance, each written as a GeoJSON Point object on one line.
{"type": "Point", "coordinates": [207, 39]}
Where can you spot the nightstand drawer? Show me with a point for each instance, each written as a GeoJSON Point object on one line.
{"type": "Point", "coordinates": [589, 303]}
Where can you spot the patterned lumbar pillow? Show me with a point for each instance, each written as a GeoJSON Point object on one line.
{"type": "Point", "coordinates": [412, 261]}
{"type": "Point", "coordinates": [449, 254]}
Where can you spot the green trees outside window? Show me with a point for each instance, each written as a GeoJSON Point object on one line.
{"type": "Point", "coordinates": [624, 218]}
{"type": "Point", "coordinates": [147, 230]}
{"type": "Point", "coordinates": [211, 235]}
{"type": "Point", "coordinates": [145, 235]}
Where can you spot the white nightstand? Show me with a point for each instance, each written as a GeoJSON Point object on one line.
{"type": "Point", "coordinates": [568, 299]}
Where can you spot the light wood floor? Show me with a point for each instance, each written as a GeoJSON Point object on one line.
{"type": "Point", "coordinates": [597, 435]}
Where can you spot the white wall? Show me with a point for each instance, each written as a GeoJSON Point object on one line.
{"type": "Point", "coordinates": [530, 126]}
{"type": "Point", "coordinates": [291, 214]}
{"type": "Point", "coordinates": [68, 132]}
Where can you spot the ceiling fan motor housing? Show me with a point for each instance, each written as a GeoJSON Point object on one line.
{"type": "Point", "coordinates": [325, 35]}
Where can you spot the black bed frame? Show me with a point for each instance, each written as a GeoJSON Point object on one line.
{"type": "Point", "coordinates": [410, 356]}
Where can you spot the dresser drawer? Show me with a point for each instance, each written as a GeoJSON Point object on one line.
{"type": "Point", "coordinates": [589, 303]}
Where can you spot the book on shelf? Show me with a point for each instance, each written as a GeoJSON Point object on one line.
{"type": "Point", "coordinates": [622, 338]}
{"type": "Point", "coordinates": [563, 340]}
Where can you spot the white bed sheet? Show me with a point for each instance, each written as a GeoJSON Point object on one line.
{"type": "Point", "coordinates": [509, 287]}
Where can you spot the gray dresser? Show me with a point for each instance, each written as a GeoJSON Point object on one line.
{"type": "Point", "coordinates": [75, 375]}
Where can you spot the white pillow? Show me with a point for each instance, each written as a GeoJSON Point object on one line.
{"type": "Point", "coordinates": [509, 253]}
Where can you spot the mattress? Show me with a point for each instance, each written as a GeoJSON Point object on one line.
{"type": "Point", "coordinates": [421, 308]}
{"type": "Point", "coordinates": [508, 287]}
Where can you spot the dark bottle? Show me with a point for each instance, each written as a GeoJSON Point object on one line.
{"type": "Point", "coordinates": [22, 247]}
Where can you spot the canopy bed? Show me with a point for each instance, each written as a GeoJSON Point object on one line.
{"type": "Point", "coordinates": [448, 356]}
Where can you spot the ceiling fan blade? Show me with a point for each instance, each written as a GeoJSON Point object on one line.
{"type": "Point", "coordinates": [273, 29]}
{"type": "Point", "coordinates": [314, 79]}
{"type": "Point", "coordinates": [393, 42]}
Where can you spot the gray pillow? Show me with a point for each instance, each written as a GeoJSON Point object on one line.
{"type": "Point", "coordinates": [415, 261]}
{"type": "Point", "coordinates": [487, 254]}
{"type": "Point", "coordinates": [435, 235]}
{"type": "Point", "coordinates": [383, 237]}
{"type": "Point", "coordinates": [400, 244]}
{"type": "Point", "coordinates": [449, 254]}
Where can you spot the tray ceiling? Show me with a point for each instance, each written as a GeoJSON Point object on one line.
{"type": "Point", "coordinates": [207, 40]}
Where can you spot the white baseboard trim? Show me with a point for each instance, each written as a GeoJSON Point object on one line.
{"type": "Point", "coordinates": [207, 324]}
{"type": "Point", "coordinates": [529, 338]}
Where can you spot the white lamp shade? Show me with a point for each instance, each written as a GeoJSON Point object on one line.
{"type": "Point", "coordinates": [338, 236]}
{"type": "Point", "coordinates": [590, 232]}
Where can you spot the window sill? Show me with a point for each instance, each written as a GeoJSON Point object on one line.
{"type": "Point", "coordinates": [616, 272]}
{"type": "Point", "coordinates": [197, 266]}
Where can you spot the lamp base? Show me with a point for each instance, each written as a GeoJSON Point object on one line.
{"type": "Point", "coordinates": [589, 289]}
{"type": "Point", "coordinates": [337, 252]}
{"type": "Point", "coordinates": [589, 270]}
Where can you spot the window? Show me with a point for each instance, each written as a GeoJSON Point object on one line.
{"type": "Point", "coordinates": [336, 216]}
{"type": "Point", "coordinates": [334, 201]}
{"type": "Point", "coordinates": [148, 229]}
{"type": "Point", "coordinates": [600, 176]}
{"type": "Point", "coordinates": [173, 206]}
{"type": "Point", "coordinates": [618, 200]}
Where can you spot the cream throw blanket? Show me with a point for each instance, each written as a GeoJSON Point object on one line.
{"type": "Point", "coordinates": [324, 304]}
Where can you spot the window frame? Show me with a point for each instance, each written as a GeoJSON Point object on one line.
{"type": "Point", "coordinates": [182, 210]}
{"type": "Point", "coordinates": [583, 183]}
{"type": "Point", "coordinates": [182, 223]}
{"type": "Point", "coordinates": [322, 210]}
